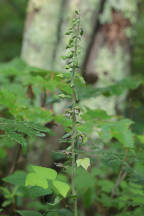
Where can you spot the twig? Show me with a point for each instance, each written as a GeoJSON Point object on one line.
{"type": "Point", "coordinates": [120, 178]}
{"type": "Point", "coordinates": [14, 165]}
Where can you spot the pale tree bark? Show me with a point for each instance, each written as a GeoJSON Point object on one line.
{"type": "Point", "coordinates": [46, 23]}
{"type": "Point", "coordinates": [42, 30]}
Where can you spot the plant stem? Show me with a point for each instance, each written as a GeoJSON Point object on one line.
{"type": "Point", "coordinates": [121, 176]}
{"type": "Point", "coordinates": [74, 131]}
{"type": "Point", "coordinates": [73, 149]}
{"type": "Point", "coordinates": [15, 161]}
{"type": "Point", "coordinates": [72, 65]}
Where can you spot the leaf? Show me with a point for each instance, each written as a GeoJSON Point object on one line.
{"type": "Point", "coordinates": [64, 212]}
{"type": "Point", "coordinates": [17, 178]}
{"type": "Point", "coordinates": [62, 188]}
{"type": "Point", "coordinates": [119, 130]}
{"type": "Point", "coordinates": [15, 131]}
{"type": "Point", "coordinates": [106, 185]}
{"type": "Point", "coordinates": [56, 201]}
{"type": "Point", "coordinates": [29, 213]}
{"type": "Point", "coordinates": [84, 180]}
{"type": "Point", "coordinates": [36, 191]}
{"type": "Point", "coordinates": [34, 179]}
{"type": "Point", "coordinates": [85, 128]}
{"type": "Point", "coordinates": [45, 172]}
{"type": "Point", "coordinates": [141, 138]}
{"type": "Point", "coordinates": [85, 163]}
{"type": "Point", "coordinates": [106, 133]}
{"type": "Point", "coordinates": [66, 89]}
{"type": "Point", "coordinates": [6, 203]}
{"type": "Point", "coordinates": [18, 138]}
{"type": "Point", "coordinates": [62, 95]}
{"type": "Point", "coordinates": [63, 121]}
{"type": "Point", "coordinates": [39, 176]}
{"type": "Point", "coordinates": [116, 89]}
{"type": "Point", "coordinates": [95, 114]}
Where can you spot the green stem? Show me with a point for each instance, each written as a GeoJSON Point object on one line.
{"type": "Point", "coordinates": [72, 57]}
{"type": "Point", "coordinates": [74, 132]}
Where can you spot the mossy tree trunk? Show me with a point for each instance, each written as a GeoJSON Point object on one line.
{"type": "Point", "coordinates": [42, 32]}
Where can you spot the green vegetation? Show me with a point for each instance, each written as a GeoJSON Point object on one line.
{"type": "Point", "coordinates": [11, 24]}
{"type": "Point", "coordinates": [98, 168]}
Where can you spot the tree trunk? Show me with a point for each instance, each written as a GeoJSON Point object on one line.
{"type": "Point", "coordinates": [108, 56]}
{"type": "Point", "coordinates": [42, 32]}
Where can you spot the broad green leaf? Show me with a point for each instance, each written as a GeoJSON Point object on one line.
{"type": "Point", "coordinates": [119, 130]}
{"type": "Point", "coordinates": [66, 89]}
{"type": "Point", "coordinates": [84, 162]}
{"type": "Point", "coordinates": [39, 176]}
{"type": "Point", "coordinates": [141, 138]}
{"type": "Point", "coordinates": [125, 137]}
{"type": "Point", "coordinates": [85, 128]}
{"type": "Point", "coordinates": [45, 172]}
{"type": "Point", "coordinates": [17, 178]}
{"type": "Point", "coordinates": [106, 133]}
{"type": "Point", "coordinates": [116, 89]}
{"type": "Point", "coordinates": [6, 203]}
{"type": "Point", "coordinates": [84, 180]}
{"type": "Point", "coordinates": [91, 115]}
{"type": "Point", "coordinates": [29, 213]}
{"type": "Point", "coordinates": [34, 179]}
{"type": "Point", "coordinates": [63, 121]}
{"type": "Point", "coordinates": [62, 188]}
{"type": "Point", "coordinates": [36, 191]}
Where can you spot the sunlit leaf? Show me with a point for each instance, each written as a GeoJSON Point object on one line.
{"type": "Point", "coordinates": [34, 179]}
{"type": "Point", "coordinates": [62, 187]}
{"type": "Point", "coordinates": [84, 162]}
